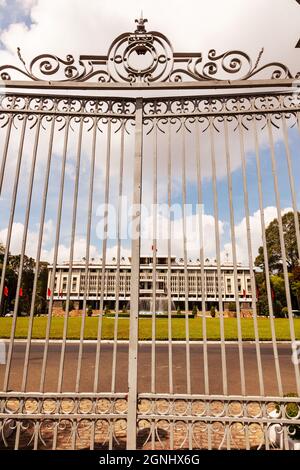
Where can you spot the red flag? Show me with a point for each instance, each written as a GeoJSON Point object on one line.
{"type": "Point", "coordinates": [5, 292]}
{"type": "Point", "coordinates": [244, 293]}
{"type": "Point", "coordinates": [60, 294]}
{"type": "Point", "coordinates": [21, 292]}
{"type": "Point", "coordinates": [49, 292]}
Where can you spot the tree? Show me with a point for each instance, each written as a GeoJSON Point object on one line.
{"type": "Point", "coordinates": [195, 310]}
{"type": "Point", "coordinates": [278, 289]}
{"type": "Point", "coordinates": [2, 251]}
{"type": "Point", "coordinates": [295, 284]}
{"type": "Point", "coordinates": [273, 244]}
{"type": "Point", "coordinates": [262, 298]}
{"type": "Point", "coordinates": [27, 281]}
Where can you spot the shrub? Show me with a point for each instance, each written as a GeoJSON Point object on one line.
{"type": "Point", "coordinates": [213, 312]}
{"type": "Point", "coordinates": [284, 313]}
{"type": "Point", "coordinates": [89, 311]}
{"type": "Point", "coordinates": [71, 305]}
{"type": "Point", "coordinates": [41, 306]}
{"type": "Point", "coordinates": [106, 310]}
{"type": "Point", "coordinates": [195, 311]}
{"type": "Point", "coordinates": [124, 309]}
{"type": "Point", "coordinates": [278, 309]}
{"type": "Point", "coordinates": [232, 307]}
{"type": "Point", "coordinates": [178, 311]}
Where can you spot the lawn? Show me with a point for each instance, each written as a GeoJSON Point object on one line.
{"type": "Point", "coordinates": [145, 326]}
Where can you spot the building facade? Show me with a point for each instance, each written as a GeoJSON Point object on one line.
{"type": "Point", "coordinates": [178, 280]}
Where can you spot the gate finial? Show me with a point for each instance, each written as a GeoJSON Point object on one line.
{"type": "Point", "coordinates": [141, 24]}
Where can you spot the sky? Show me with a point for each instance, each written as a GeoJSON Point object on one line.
{"type": "Point", "coordinates": [77, 27]}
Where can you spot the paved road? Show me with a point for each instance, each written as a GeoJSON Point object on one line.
{"type": "Point", "coordinates": [144, 369]}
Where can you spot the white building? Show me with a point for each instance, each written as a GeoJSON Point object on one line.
{"type": "Point", "coordinates": [211, 291]}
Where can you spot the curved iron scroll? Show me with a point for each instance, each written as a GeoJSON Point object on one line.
{"type": "Point", "coordinates": [146, 57]}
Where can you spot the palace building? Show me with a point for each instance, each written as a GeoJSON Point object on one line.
{"type": "Point", "coordinates": [210, 290]}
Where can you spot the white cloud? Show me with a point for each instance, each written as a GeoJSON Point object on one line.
{"type": "Point", "coordinates": [71, 27]}
{"type": "Point", "coordinates": [270, 213]}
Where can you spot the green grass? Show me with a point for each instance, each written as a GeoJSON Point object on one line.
{"type": "Point", "coordinates": [145, 326]}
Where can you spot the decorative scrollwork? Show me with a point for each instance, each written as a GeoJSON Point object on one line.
{"type": "Point", "coordinates": [215, 422]}
{"type": "Point", "coordinates": [70, 421]}
{"type": "Point", "coordinates": [145, 57]}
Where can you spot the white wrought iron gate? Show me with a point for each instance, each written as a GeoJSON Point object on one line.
{"type": "Point", "coordinates": [131, 335]}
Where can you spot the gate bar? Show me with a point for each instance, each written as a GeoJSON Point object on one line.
{"type": "Point", "coordinates": [250, 253]}
{"type": "Point", "coordinates": [22, 255]}
{"type": "Point", "coordinates": [135, 279]}
{"type": "Point", "coordinates": [265, 251]}
{"type": "Point", "coordinates": [87, 251]}
{"type": "Point", "coordinates": [218, 255]}
{"type": "Point", "coordinates": [203, 286]}
{"type": "Point", "coordinates": [282, 246]}
{"type": "Point", "coordinates": [71, 258]}
{"type": "Point", "coordinates": [205, 84]}
{"type": "Point", "coordinates": [234, 258]}
{"type": "Point", "coordinates": [104, 251]}
{"type": "Point", "coordinates": [55, 255]}
{"type": "Point", "coordinates": [6, 145]}
{"type": "Point", "coordinates": [38, 255]}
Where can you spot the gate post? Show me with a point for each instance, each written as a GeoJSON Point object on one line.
{"type": "Point", "coordinates": [135, 279]}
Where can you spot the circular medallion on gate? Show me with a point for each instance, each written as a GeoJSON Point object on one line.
{"type": "Point", "coordinates": [140, 56]}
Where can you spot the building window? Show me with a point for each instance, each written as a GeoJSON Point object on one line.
{"type": "Point", "coordinates": [229, 286]}
{"type": "Point", "coordinates": [64, 283]}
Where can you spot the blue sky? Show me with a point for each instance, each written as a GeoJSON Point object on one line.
{"type": "Point", "coordinates": [13, 11]}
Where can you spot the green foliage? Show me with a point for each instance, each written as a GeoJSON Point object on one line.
{"type": "Point", "coordinates": [40, 305]}
{"type": "Point", "coordinates": [273, 244]}
{"type": "Point", "coordinates": [71, 305]}
{"type": "Point", "coordinates": [195, 310]}
{"type": "Point", "coordinates": [89, 311]}
{"type": "Point", "coordinates": [295, 284]}
{"type": "Point", "coordinates": [278, 309]}
{"type": "Point", "coordinates": [213, 312]}
{"type": "Point", "coordinates": [284, 312]}
{"type": "Point", "coordinates": [28, 273]}
{"type": "Point", "coordinates": [232, 307]}
{"type": "Point", "coordinates": [278, 287]}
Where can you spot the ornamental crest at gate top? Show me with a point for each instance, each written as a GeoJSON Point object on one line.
{"type": "Point", "coordinates": [145, 57]}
